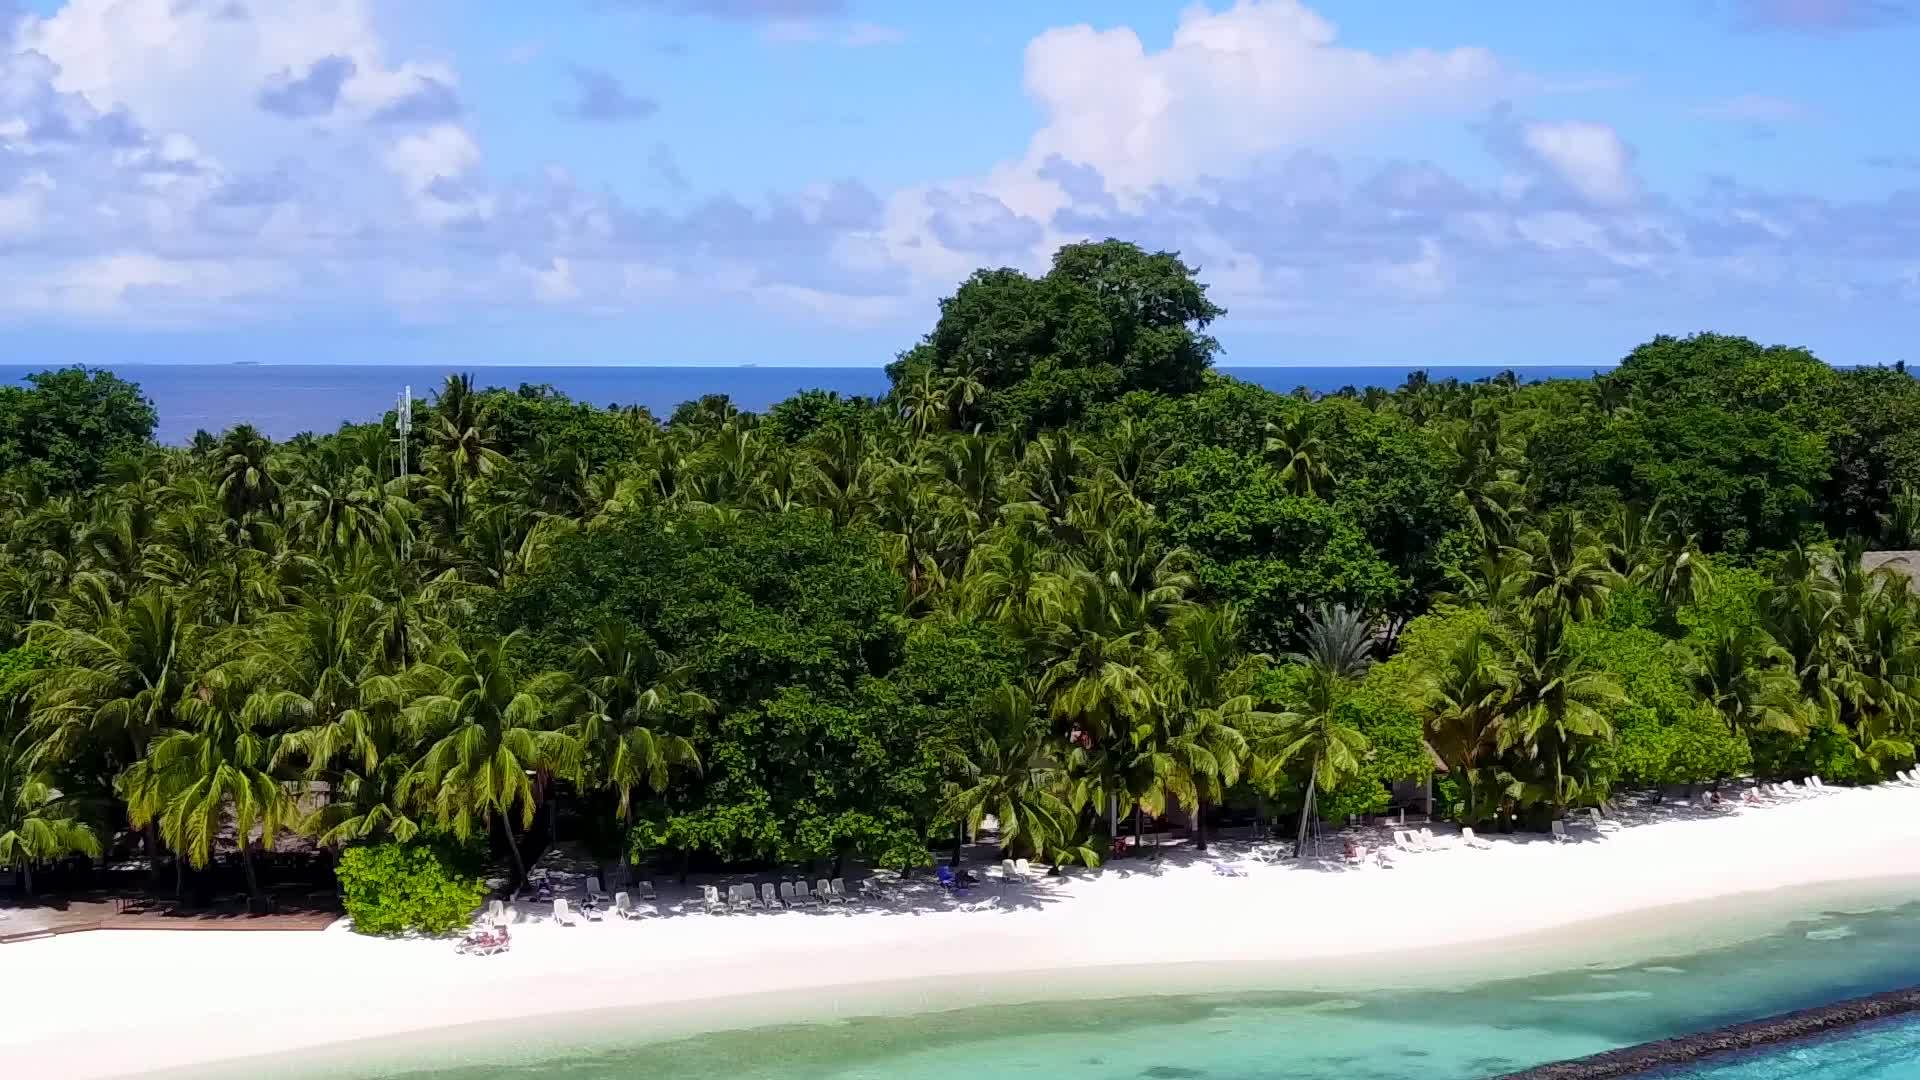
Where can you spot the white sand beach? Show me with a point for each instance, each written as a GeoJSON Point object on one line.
{"type": "Point", "coordinates": [125, 1002]}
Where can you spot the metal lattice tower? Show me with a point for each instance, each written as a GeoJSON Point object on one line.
{"type": "Point", "coordinates": [403, 424]}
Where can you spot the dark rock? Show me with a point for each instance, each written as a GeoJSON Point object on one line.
{"type": "Point", "coordinates": [1687, 1049]}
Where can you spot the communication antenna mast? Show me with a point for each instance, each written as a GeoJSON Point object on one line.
{"type": "Point", "coordinates": [403, 424]}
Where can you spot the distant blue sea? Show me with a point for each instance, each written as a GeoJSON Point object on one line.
{"type": "Point", "coordinates": [284, 400]}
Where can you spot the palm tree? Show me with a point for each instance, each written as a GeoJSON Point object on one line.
{"type": "Point", "coordinates": [247, 485]}
{"type": "Point", "coordinates": [1462, 704]}
{"type": "Point", "coordinates": [1557, 712]}
{"type": "Point", "coordinates": [487, 735]}
{"type": "Point", "coordinates": [1336, 649]}
{"type": "Point", "coordinates": [623, 687]}
{"type": "Point", "coordinates": [37, 821]}
{"type": "Point", "coordinates": [219, 764]}
{"type": "Point", "coordinates": [1002, 765]}
{"type": "Point", "coordinates": [1678, 572]}
{"type": "Point", "coordinates": [462, 433]}
{"type": "Point", "coordinates": [115, 688]}
{"type": "Point", "coordinates": [1209, 707]}
{"type": "Point", "coordinates": [1295, 446]}
{"type": "Point", "coordinates": [1566, 570]}
{"type": "Point", "coordinates": [1742, 673]}
{"type": "Point", "coordinates": [1900, 525]}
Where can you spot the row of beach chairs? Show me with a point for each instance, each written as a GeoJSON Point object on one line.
{"type": "Point", "coordinates": [785, 895]}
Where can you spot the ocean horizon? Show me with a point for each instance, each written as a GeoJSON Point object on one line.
{"type": "Point", "coordinates": [284, 400]}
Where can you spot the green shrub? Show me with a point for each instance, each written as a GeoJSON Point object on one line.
{"type": "Point", "coordinates": [395, 888]}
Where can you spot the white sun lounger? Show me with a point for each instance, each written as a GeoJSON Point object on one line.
{"type": "Point", "coordinates": [1593, 816]}
{"type": "Point", "coordinates": [496, 913]}
{"type": "Point", "coordinates": [1020, 867]}
{"type": "Point", "coordinates": [1468, 838]}
{"type": "Point", "coordinates": [870, 889]}
{"type": "Point", "coordinates": [562, 915]}
{"type": "Point", "coordinates": [1559, 830]}
{"type": "Point", "coordinates": [1400, 840]}
{"type": "Point", "coordinates": [786, 895]}
{"type": "Point", "coordinates": [802, 895]}
{"type": "Point", "coordinates": [740, 897]}
{"type": "Point", "coordinates": [822, 892]}
{"type": "Point", "coordinates": [624, 907]}
{"type": "Point", "coordinates": [1006, 870]}
{"type": "Point", "coordinates": [645, 889]}
{"type": "Point", "coordinates": [710, 900]}
{"type": "Point", "coordinates": [836, 891]}
{"type": "Point", "coordinates": [595, 890]}
{"type": "Point", "coordinates": [1818, 784]}
{"type": "Point", "coordinates": [1427, 840]}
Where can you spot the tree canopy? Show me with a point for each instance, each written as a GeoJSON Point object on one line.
{"type": "Point", "coordinates": [1063, 578]}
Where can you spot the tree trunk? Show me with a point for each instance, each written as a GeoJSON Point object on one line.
{"type": "Point", "coordinates": [1306, 810]}
{"type": "Point", "coordinates": [152, 840]}
{"type": "Point", "coordinates": [1139, 842]}
{"type": "Point", "coordinates": [513, 848]}
{"type": "Point", "coordinates": [253, 883]}
{"type": "Point", "coordinates": [1200, 824]}
{"type": "Point", "coordinates": [26, 877]}
{"type": "Point", "coordinates": [1113, 819]}
{"type": "Point", "coordinates": [959, 842]}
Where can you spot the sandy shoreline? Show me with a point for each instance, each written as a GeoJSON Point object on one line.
{"type": "Point", "coordinates": [116, 1003]}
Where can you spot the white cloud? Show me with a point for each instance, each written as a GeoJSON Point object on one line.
{"type": "Point", "coordinates": [1234, 86]}
{"type": "Point", "coordinates": [151, 289]}
{"type": "Point", "coordinates": [859, 35]}
{"type": "Point", "coordinates": [1591, 158]}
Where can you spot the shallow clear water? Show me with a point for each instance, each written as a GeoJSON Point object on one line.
{"type": "Point", "coordinates": [1472, 1031]}
{"type": "Point", "coordinates": [1885, 1051]}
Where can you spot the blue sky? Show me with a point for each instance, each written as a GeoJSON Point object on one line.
{"type": "Point", "coordinates": [800, 181]}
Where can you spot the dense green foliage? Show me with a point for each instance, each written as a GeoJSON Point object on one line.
{"type": "Point", "coordinates": [413, 887]}
{"type": "Point", "coordinates": [1063, 575]}
{"type": "Point", "coordinates": [62, 427]}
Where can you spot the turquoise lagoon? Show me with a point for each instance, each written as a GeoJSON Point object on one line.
{"type": "Point", "coordinates": [1457, 1015]}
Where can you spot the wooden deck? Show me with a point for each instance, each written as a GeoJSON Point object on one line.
{"type": "Point", "coordinates": [79, 916]}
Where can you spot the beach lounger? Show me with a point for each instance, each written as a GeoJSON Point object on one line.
{"type": "Point", "coordinates": [710, 900]}
{"type": "Point", "coordinates": [981, 905]}
{"type": "Point", "coordinates": [623, 905]}
{"type": "Point", "coordinates": [822, 892]}
{"type": "Point", "coordinates": [1468, 838]}
{"type": "Point", "coordinates": [787, 899]}
{"type": "Point", "coordinates": [870, 889]}
{"type": "Point", "coordinates": [645, 889]}
{"type": "Point", "coordinates": [740, 897]}
{"type": "Point", "coordinates": [595, 890]}
{"type": "Point", "coordinates": [835, 890]}
{"type": "Point", "coordinates": [1020, 867]}
{"type": "Point", "coordinates": [1559, 830]}
{"type": "Point", "coordinates": [1818, 784]}
{"type": "Point", "coordinates": [1427, 840]}
{"type": "Point", "coordinates": [803, 894]}
{"type": "Point", "coordinates": [1006, 869]}
{"type": "Point", "coordinates": [562, 914]}
{"type": "Point", "coordinates": [496, 913]}
{"type": "Point", "coordinates": [1593, 816]}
